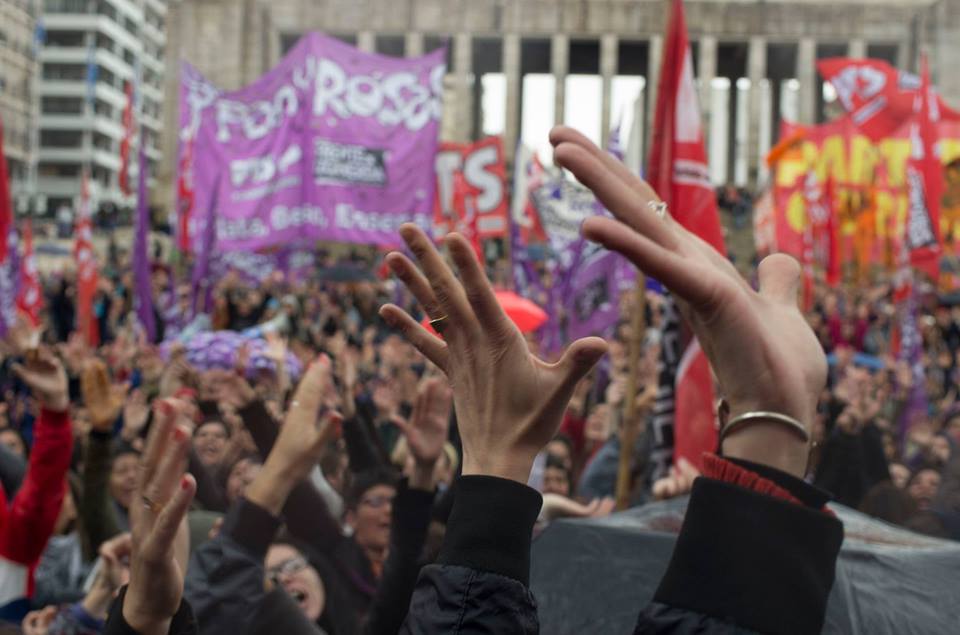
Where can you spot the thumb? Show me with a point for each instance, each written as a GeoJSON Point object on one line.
{"type": "Point", "coordinates": [578, 359]}
{"type": "Point", "coordinates": [406, 428]}
{"type": "Point", "coordinates": [780, 278]}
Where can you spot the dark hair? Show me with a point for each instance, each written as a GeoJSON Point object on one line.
{"type": "Point", "coordinates": [927, 523]}
{"type": "Point", "coordinates": [366, 480]}
{"type": "Point", "coordinates": [564, 439]}
{"type": "Point", "coordinates": [212, 420]}
{"type": "Point", "coordinates": [887, 502]}
{"type": "Point", "coordinates": [121, 447]}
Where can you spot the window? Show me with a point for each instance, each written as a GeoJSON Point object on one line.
{"type": "Point", "coordinates": [58, 169]}
{"type": "Point", "coordinates": [67, 6]}
{"type": "Point", "coordinates": [61, 138]}
{"type": "Point", "coordinates": [103, 109]}
{"type": "Point", "coordinates": [72, 72]}
{"type": "Point", "coordinates": [65, 38]}
{"type": "Point", "coordinates": [102, 142]}
{"type": "Point", "coordinates": [62, 105]}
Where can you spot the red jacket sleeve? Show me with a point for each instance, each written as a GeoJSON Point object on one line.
{"type": "Point", "coordinates": [27, 523]}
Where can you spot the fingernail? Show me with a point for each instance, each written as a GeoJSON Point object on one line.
{"type": "Point", "coordinates": [179, 434]}
{"type": "Point", "coordinates": [184, 483]}
{"type": "Point", "coordinates": [166, 408]}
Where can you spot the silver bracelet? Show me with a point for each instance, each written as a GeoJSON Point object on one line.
{"type": "Point", "coordinates": [750, 417]}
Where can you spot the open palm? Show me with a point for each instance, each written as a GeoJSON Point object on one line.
{"type": "Point", "coordinates": [759, 344]}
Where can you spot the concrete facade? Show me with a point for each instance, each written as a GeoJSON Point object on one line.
{"type": "Point", "coordinates": [17, 70]}
{"type": "Point", "coordinates": [772, 43]}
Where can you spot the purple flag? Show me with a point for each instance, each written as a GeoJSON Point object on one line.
{"type": "Point", "coordinates": [201, 278]}
{"type": "Point", "coordinates": [9, 282]}
{"type": "Point", "coordinates": [332, 144]}
{"type": "Point", "coordinates": [911, 351]}
{"type": "Point", "coordinates": [143, 284]}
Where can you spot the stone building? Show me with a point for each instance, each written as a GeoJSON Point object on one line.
{"type": "Point", "coordinates": [755, 59]}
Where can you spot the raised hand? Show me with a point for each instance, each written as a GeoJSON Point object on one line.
{"type": "Point", "coordinates": [427, 429]}
{"type": "Point", "coordinates": [230, 388]}
{"type": "Point", "coordinates": [47, 379]}
{"type": "Point", "coordinates": [135, 414]}
{"type": "Point", "coordinates": [302, 439]}
{"type": "Point", "coordinates": [759, 344]}
{"type": "Point", "coordinates": [160, 542]}
{"type": "Point", "coordinates": [104, 401]}
{"type": "Point", "coordinates": [509, 403]}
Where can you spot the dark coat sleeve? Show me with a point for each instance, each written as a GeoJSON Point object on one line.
{"type": "Point", "coordinates": [363, 446]}
{"type": "Point", "coordinates": [408, 533]}
{"type": "Point", "coordinates": [209, 495]}
{"type": "Point", "coordinates": [97, 514]}
{"type": "Point", "coordinates": [183, 622]}
{"type": "Point", "coordinates": [850, 464]}
{"type": "Point", "coordinates": [746, 560]}
{"type": "Point", "coordinates": [225, 578]}
{"type": "Point", "coordinates": [480, 582]}
{"type": "Point", "coordinates": [305, 511]}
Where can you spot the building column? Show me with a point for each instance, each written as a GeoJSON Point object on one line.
{"type": "Point", "coordinates": [654, 60]}
{"type": "Point", "coordinates": [807, 76]}
{"type": "Point", "coordinates": [511, 69]}
{"type": "Point", "coordinates": [903, 55]}
{"type": "Point", "coordinates": [756, 71]}
{"type": "Point", "coordinates": [857, 48]}
{"type": "Point", "coordinates": [559, 67]}
{"type": "Point", "coordinates": [414, 45]}
{"type": "Point", "coordinates": [608, 68]}
{"type": "Point", "coordinates": [707, 68]}
{"type": "Point", "coordinates": [462, 67]}
{"type": "Point", "coordinates": [366, 41]}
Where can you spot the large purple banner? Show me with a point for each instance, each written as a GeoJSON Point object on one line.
{"type": "Point", "coordinates": [332, 144]}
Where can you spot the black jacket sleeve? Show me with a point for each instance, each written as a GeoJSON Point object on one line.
{"type": "Point", "coordinates": [183, 622]}
{"type": "Point", "coordinates": [480, 582]}
{"type": "Point", "coordinates": [210, 495]}
{"type": "Point", "coordinates": [408, 532]}
{"type": "Point", "coordinates": [225, 579]}
{"type": "Point", "coordinates": [748, 560]}
{"type": "Point", "coordinates": [850, 464]}
{"type": "Point", "coordinates": [363, 446]}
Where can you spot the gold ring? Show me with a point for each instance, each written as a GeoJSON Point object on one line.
{"type": "Point", "coordinates": [437, 324]}
{"type": "Point", "coordinates": [151, 505]}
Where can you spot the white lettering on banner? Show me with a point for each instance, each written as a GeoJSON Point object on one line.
{"type": "Point", "coordinates": [258, 118]}
{"type": "Point", "coordinates": [283, 217]}
{"type": "Point", "coordinates": [262, 169]}
{"type": "Point", "coordinates": [237, 229]}
{"type": "Point", "coordinates": [396, 99]}
{"type": "Point", "coordinates": [253, 194]}
{"type": "Point", "coordinates": [347, 217]}
{"type": "Point", "coordinates": [445, 165]}
{"type": "Point", "coordinates": [476, 174]}
{"type": "Point", "coordinates": [919, 226]}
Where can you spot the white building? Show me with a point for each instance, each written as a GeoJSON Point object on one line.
{"type": "Point", "coordinates": [92, 48]}
{"type": "Point", "coordinates": [17, 66]}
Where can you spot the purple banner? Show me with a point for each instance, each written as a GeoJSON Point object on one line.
{"type": "Point", "coordinates": [593, 306]}
{"type": "Point", "coordinates": [911, 351]}
{"type": "Point", "coordinates": [142, 282]}
{"type": "Point", "coordinates": [9, 283]}
{"type": "Point", "coordinates": [332, 144]}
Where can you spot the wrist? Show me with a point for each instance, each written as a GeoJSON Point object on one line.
{"type": "Point", "coordinates": [422, 477]}
{"type": "Point", "coordinates": [56, 403]}
{"type": "Point", "coordinates": [514, 467]}
{"type": "Point", "coordinates": [97, 601]}
{"type": "Point", "coordinates": [768, 443]}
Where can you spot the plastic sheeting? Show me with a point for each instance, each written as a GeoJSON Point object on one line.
{"type": "Point", "coordinates": [594, 576]}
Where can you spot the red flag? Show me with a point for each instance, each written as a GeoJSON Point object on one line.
{"type": "Point", "coordinates": [6, 203]}
{"type": "Point", "coordinates": [126, 142]}
{"type": "Point", "coordinates": [924, 183]}
{"type": "Point", "coordinates": [29, 296]}
{"type": "Point", "coordinates": [185, 197]}
{"type": "Point", "coordinates": [678, 172]}
{"type": "Point", "coordinates": [86, 267]}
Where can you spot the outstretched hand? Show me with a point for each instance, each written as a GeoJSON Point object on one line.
{"type": "Point", "coordinates": [160, 542]}
{"type": "Point", "coordinates": [104, 401]}
{"type": "Point", "coordinates": [759, 344]}
{"type": "Point", "coordinates": [426, 431]}
{"type": "Point", "coordinates": [44, 374]}
{"type": "Point", "coordinates": [509, 403]}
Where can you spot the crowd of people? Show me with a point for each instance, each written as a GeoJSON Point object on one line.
{"type": "Point", "coordinates": [346, 486]}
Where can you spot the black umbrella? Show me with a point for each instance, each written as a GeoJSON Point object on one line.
{"type": "Point", "coordinates": [594, 576]}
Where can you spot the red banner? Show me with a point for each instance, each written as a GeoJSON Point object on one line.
{"type": "Point", "coordinates": [29, 296]}
{"type": "Point", "coordinates": [678, 172]}
{"type": "Point", "coordinates": [924, 184]}
{"type": "Point", "coordinates": [472, 189]}
{"type": "Point", "coordinates": [868, 187]}
{"type": "Point", "coordinates": [86, 267]}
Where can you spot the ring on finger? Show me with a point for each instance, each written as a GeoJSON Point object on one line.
{"type": "Point", "coordinates": [659, 207]}
{"type": "Point", "coordinates": [438, 324]}
{"type": "Point", "coordinates": [150, 504]}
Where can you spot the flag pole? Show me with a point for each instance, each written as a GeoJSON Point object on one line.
{"type": "Point", "coordinates": [628, 427]}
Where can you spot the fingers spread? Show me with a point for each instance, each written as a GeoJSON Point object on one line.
{"type": "Point", "coordinates": [157, 441]}
{"type": "Point", "coordinates": [478, 290]}
{"type": "Point", "coordinates": [615, 194]}
{"type": "Point", "coordinates": [432, 347]}
{"type": "Point", "coordinates": [780, 278]}
{"type": "Point", "coordinates": [446, 288]}
{"type": "Point", "coordinates": [415, 281]}
{"type": "Point", "coordinates": [161, 487]}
